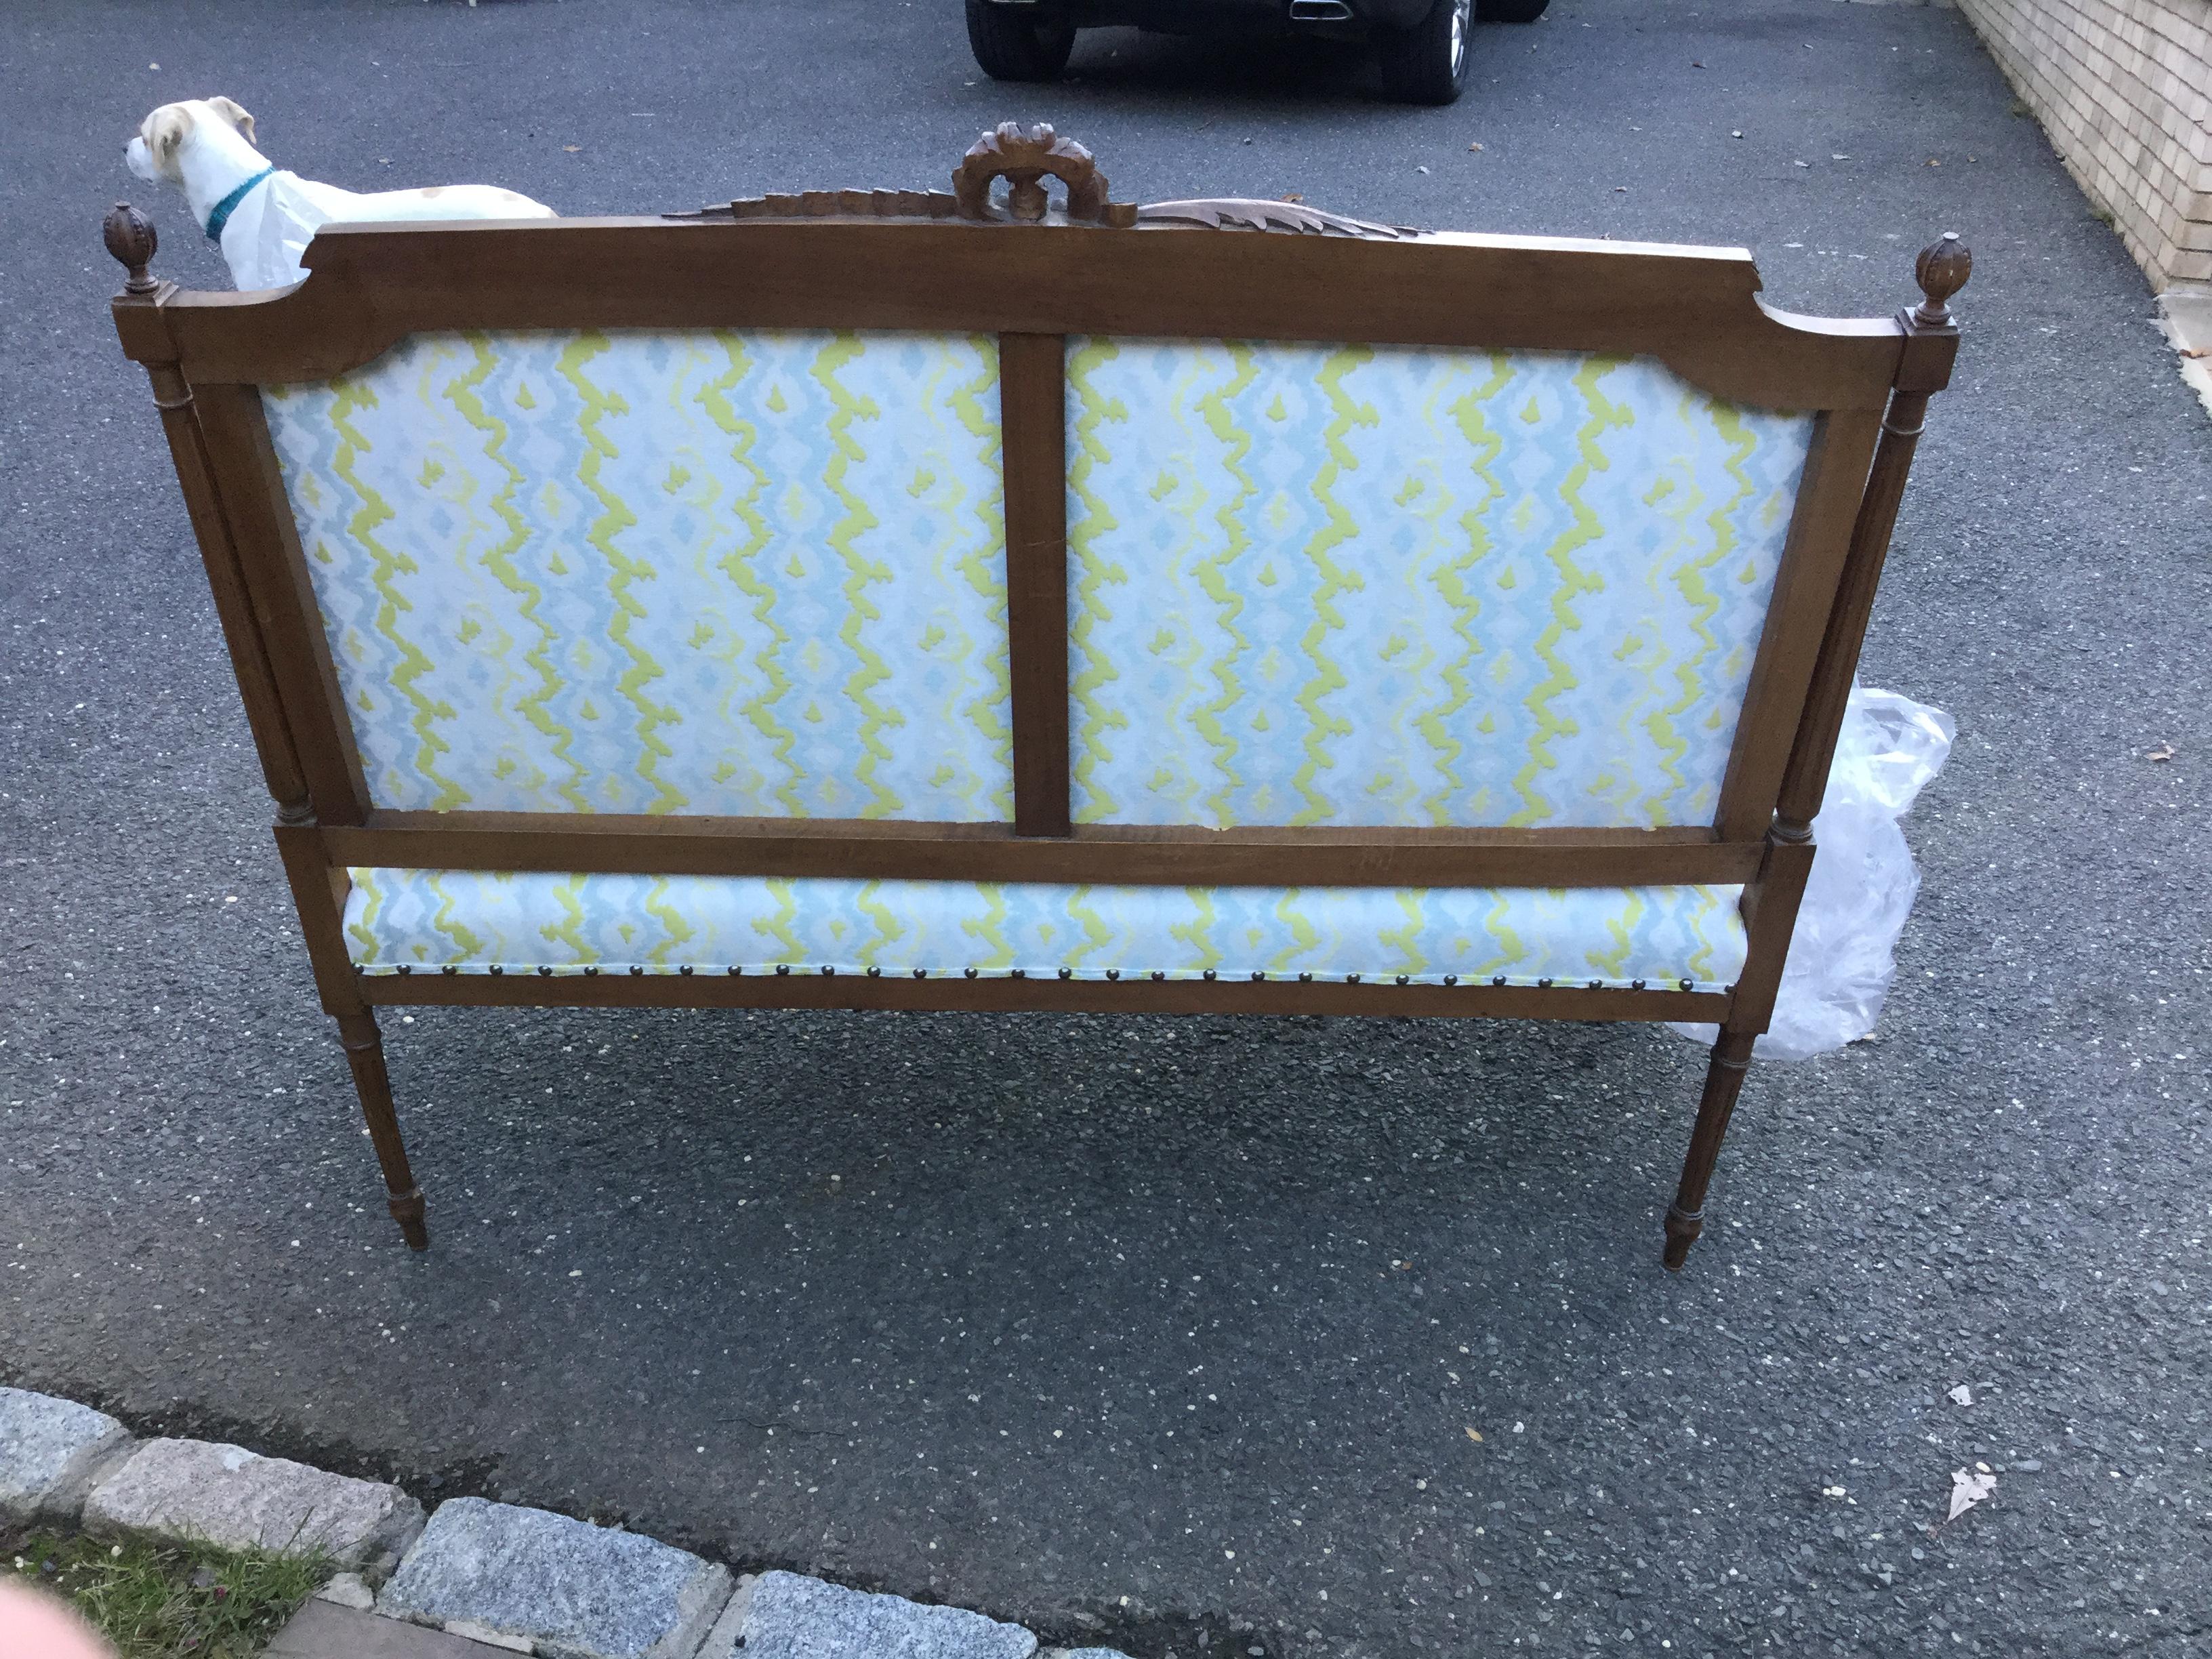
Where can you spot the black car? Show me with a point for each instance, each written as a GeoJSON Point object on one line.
{"type": "Point", "coordinates": [1422, 43]}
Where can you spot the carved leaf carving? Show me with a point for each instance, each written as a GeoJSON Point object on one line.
{"type": "Point", "coordinates": [1236, 213]}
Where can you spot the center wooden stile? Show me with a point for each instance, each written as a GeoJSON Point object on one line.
{"type": "Point", "coordinates": [1033, 439]}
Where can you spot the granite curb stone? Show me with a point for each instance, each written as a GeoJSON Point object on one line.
{"type": "Point", "coordinates": [50, 1451]}
{"type": "Point", "coordinates": [790, 1617]}
{"type": "Point", "coordinates": [573, 1590]}
{"type": "Point", "coordinates": [525, 1580]}
{"type": "Point", "coordinates": [183, 1492]}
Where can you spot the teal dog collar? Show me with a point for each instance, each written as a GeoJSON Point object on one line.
{"type": "Point", "coordinates": [228, 206]}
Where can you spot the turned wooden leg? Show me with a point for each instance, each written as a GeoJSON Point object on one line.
{"type": "Point", "coordinates": [364, 1048]}
{"type": "Point", "coordinates": [1686, 1216]}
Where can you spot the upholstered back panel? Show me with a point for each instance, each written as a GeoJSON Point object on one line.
{"type": "Point", "coordinates": [1374, 585]}
{"type": "Point", "coordinates": [753, 573]}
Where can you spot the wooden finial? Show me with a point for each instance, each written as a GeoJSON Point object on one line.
{"type": "Point", "coordinates": [129, 237]}
{"type": "Point", "coordinates": [1942, 271]}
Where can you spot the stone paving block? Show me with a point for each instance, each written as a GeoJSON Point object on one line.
{"type": "Point", "coordinates": [793, 1618]}
{"type": "Point", "coordinates": [49, 1450]}
{"type": "Point", "coordinates": [573, 1590]}
{"type": "Point", "coordinates": [347, 1590]}
{"type": "Point", "coordinates": [323, 1631]}
{"type": "Point", "coordinates": [200, 1491]}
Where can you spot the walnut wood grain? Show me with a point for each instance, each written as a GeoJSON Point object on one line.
{"type": "Point", "coordinates": [1145, 855]}
{"type": "Point", "coordinates": [1033, 427]}
{"type": "Point", "coordinates": [981, 995]}
{"type": "Point", "coordinates": [1932, 342]}
{"type": "Point", "coordinates": [1696, 310]}
{"type": "Point", "coordinates": [1812, 559]}
{"type": "Point", "coordinates": [259, 516]}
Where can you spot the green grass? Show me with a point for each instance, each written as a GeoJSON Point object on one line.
{"type": "Point", "coordinates": [153, 1603]}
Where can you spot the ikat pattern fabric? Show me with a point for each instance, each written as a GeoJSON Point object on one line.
{"type": "Point", "coordinates": [476, 922]}
{"type": "Point", "coordinates": [752, 573]}
{"type": "Point", "coordinates": [1373, 585]}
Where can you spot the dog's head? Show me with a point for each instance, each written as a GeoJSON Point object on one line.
{"type": "Point", "coordinates": [153, 151]}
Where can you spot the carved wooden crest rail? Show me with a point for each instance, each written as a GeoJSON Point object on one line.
{"type": "Point", "coordinates": [1025, 157]}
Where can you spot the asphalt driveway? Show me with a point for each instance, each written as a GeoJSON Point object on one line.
{"type": "Point", "coordinates": [1174, 1332]}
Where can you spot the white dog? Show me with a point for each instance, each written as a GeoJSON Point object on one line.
{"type": "Point", "coordinates": [263, 219]}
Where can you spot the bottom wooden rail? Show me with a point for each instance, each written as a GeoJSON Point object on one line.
{"type": "Point", "coordinates": [982, 995]}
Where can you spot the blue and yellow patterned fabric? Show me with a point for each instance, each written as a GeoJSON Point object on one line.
{"type": "Point", "coordinates": [1375, 586]}
{"type": "Point", "coordinates": [757, 573]}
{"type": "Point", "coordinates": [478, 922]}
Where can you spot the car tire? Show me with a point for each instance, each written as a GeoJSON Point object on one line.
{"type": "Point", "coordinates": [1427, 62]}
{"type": "Point", "coordinates": [1012, 47]}
{"type": "Point", "coordinates": [1509, 11]}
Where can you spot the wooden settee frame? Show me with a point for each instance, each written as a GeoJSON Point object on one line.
{"type": "Point", "coordinates": [1032, 276]}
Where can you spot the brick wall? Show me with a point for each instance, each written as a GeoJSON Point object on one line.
{"type": "Point", "coordinates": [2125, 90]}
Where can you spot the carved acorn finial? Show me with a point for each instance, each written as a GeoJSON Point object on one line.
{"type": "Point", "coordinates": [1942, 271]}
{"type": "Point", "coordinates": [129, 237]}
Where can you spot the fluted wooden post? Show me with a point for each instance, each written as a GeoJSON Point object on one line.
{"type": "Point", "coordinates": [129, 237]}
{"type": "Point", "coordinates": [1930, 342]}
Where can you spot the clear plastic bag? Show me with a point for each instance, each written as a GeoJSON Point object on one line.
{"type": "Point", "coordinates": [271, 226]}
{"type": "Point", "coordinates": [1842, 956]}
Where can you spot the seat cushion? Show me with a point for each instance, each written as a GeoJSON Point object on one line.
{"type": "Point", "coordinates": [478, 922]}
